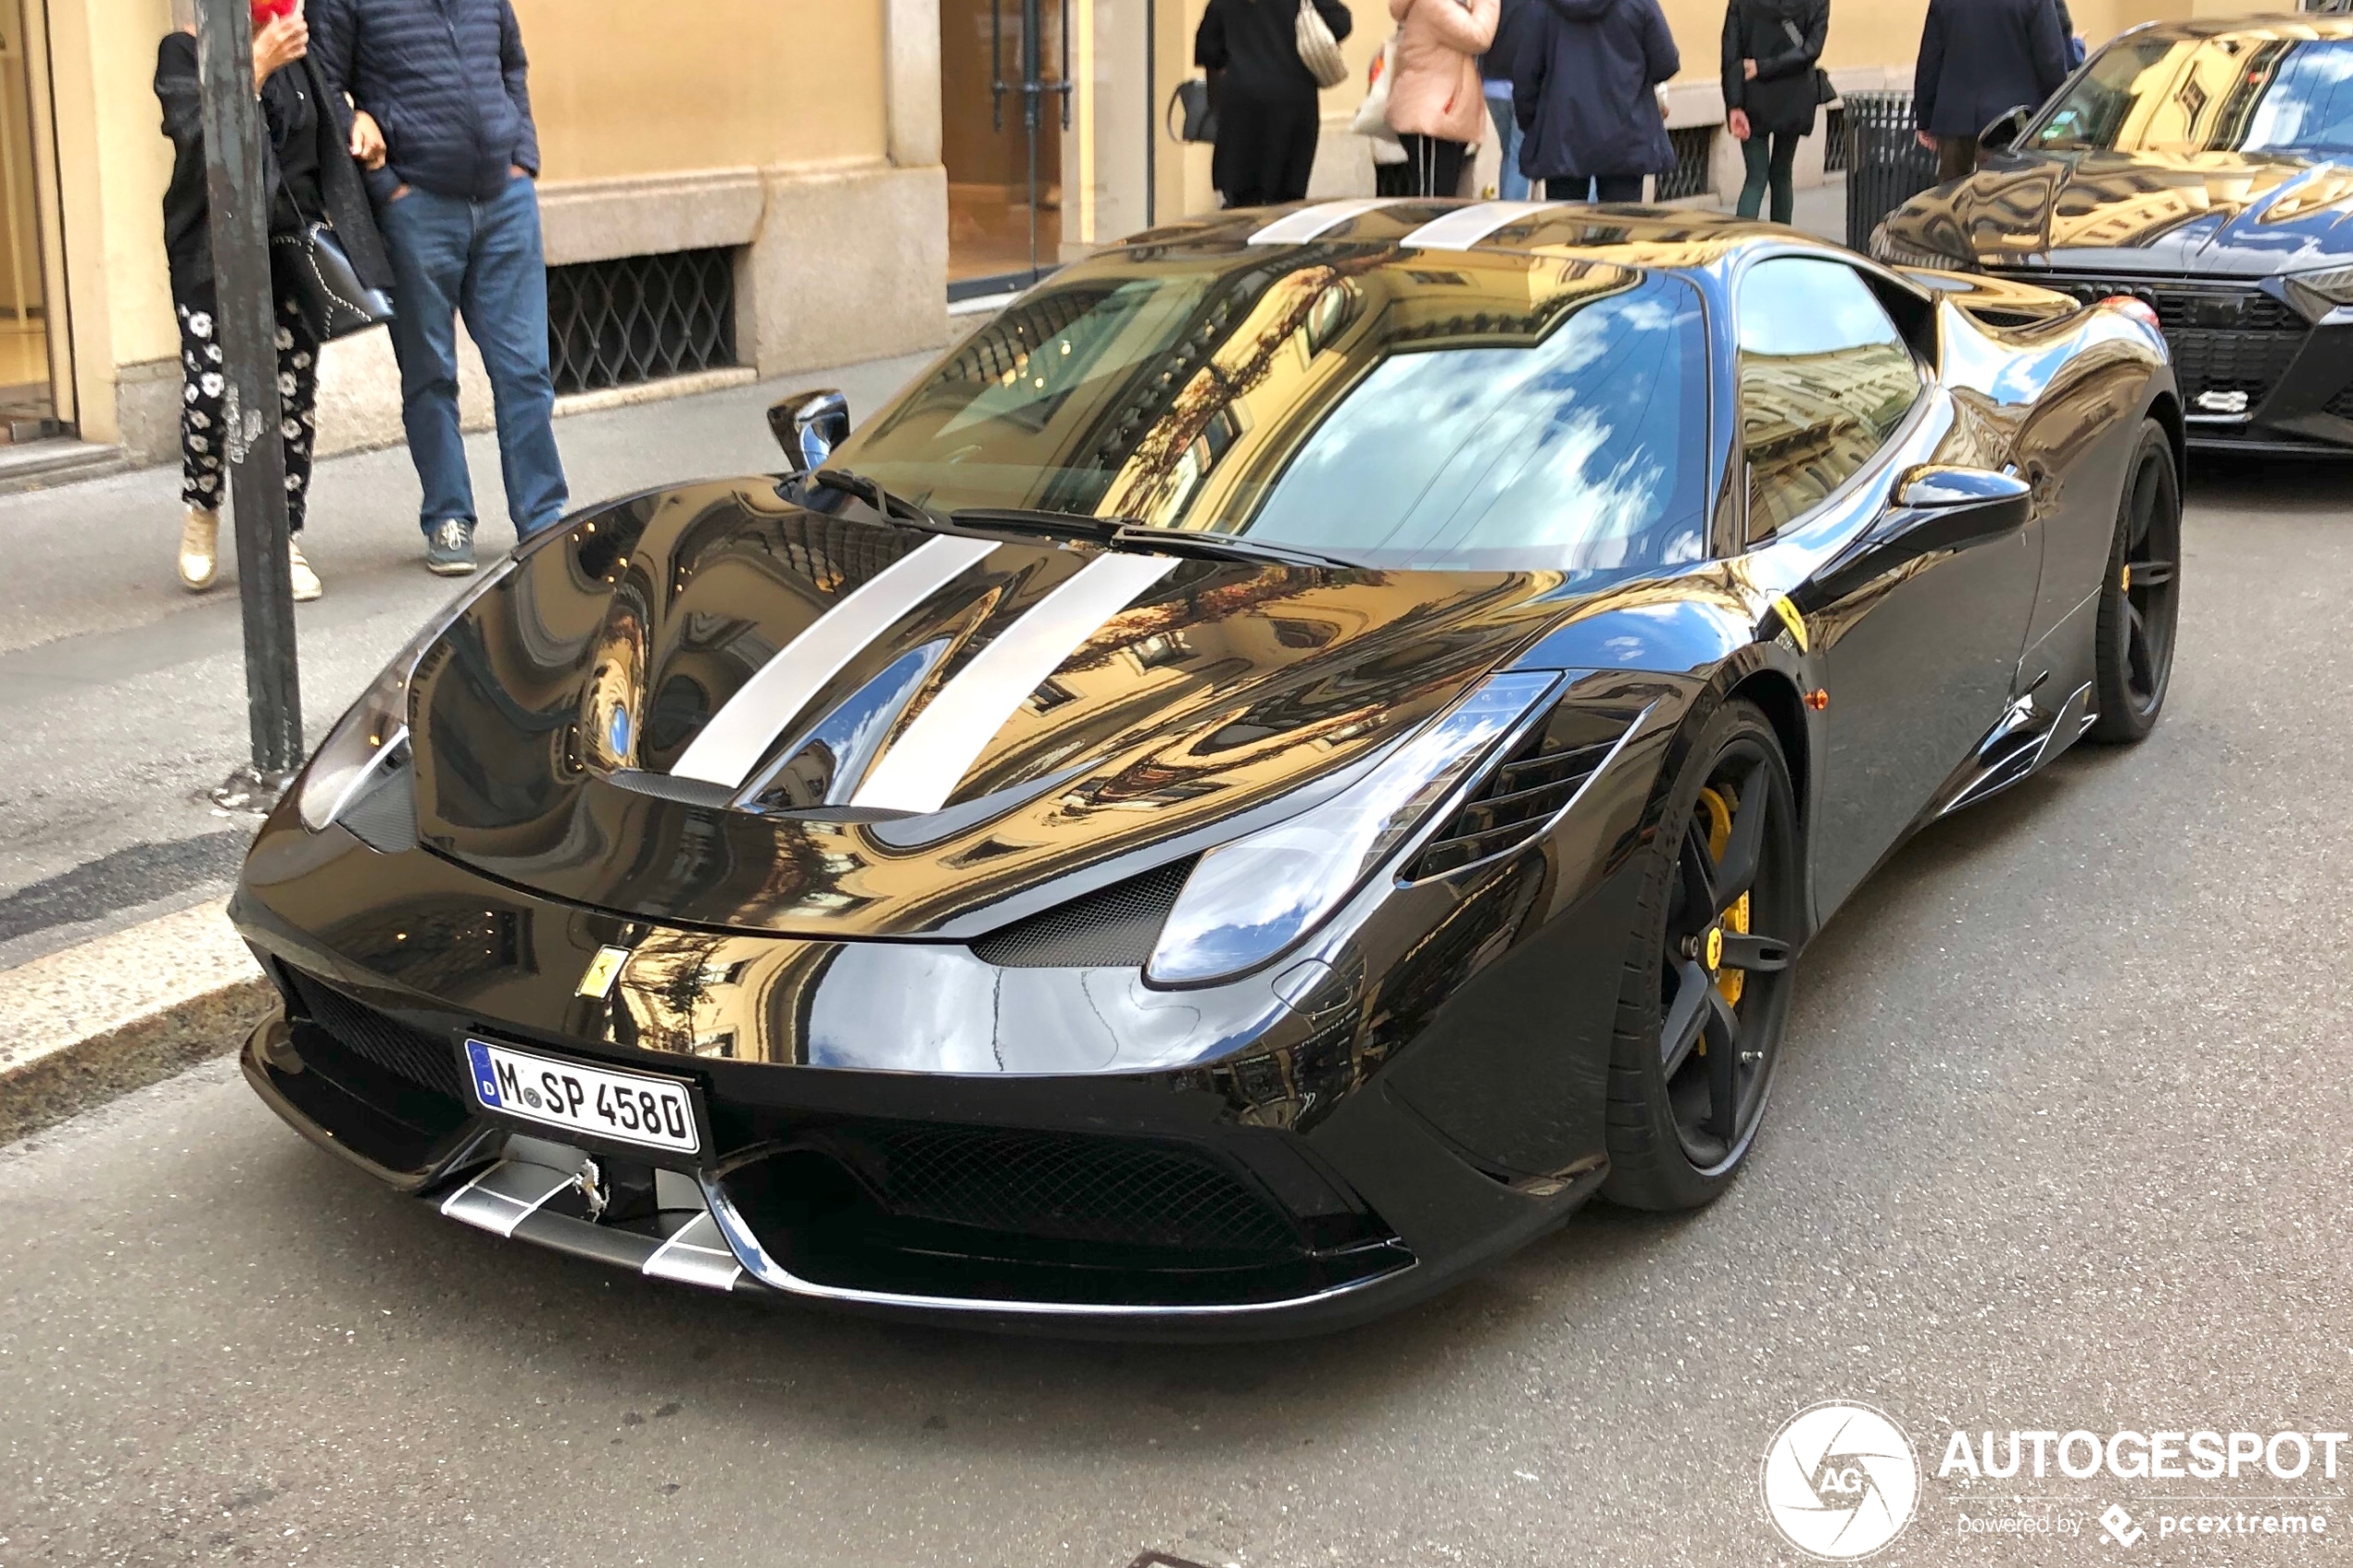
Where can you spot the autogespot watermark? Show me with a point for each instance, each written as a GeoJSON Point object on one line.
{"type": "Point", "coordinates": [1841, 1480]}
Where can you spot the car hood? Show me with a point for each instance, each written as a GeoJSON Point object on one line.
{"type": "Point", "coordinates": [943, 733]}
{"type": "Point", "coordinates": [2228, 214]}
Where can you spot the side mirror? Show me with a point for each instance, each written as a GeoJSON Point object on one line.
{"type": "Point", "coordinates": [1933, 510]}
{"type": "Point", "coordinates": [809, 425]}
{"type": "Point", "coordinates": [2006, 127]}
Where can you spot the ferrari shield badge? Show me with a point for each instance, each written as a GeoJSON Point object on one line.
{"type": "Point", "coordinates": [603, 970]}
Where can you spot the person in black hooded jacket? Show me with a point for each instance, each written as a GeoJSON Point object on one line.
{"type": "Point", "coordinates": [1266, 100]}
{"type": "Point", "coordinates": [1771, 50]}
{"type": "Point", "coordinates": [1585, 88]}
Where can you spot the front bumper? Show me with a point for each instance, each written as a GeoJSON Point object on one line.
{"type": "Point", "coordinates": [1289, 1182]}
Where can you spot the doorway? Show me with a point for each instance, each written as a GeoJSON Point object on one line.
{"type": "Point", "coordinates": [28, 396]}
{"type": "Point", "coordinates": [1004, 93]}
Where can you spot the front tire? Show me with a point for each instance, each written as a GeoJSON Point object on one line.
{"type": "Point", "coordinates": [2140, 601]}
{"type": "Point", "coordinates": [1706, 982]}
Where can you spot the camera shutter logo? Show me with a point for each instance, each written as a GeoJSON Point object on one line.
{"type": "Point", "coordinates": [1841, 1481]}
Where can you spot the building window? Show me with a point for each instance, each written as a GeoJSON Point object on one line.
{"type": "Point", "coordinates": [1694, 150]}
{"type": "Point", "coordinates": [640, 317]}
{"type": "Point", "coordinates": [1834, 141]}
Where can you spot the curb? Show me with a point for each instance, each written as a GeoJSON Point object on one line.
{"type": "Point", "coordinates": [95, 1022]}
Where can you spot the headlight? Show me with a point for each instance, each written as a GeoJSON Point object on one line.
{"type": "Point", "coordinates": [378, 723]}
{"type": "Point", "coordinates": [1248, 900]}
{"type": "Point", "coordinates": [2334, 287]}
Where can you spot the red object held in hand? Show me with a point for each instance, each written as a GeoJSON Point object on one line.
{"type": "Point", "coordinates": [266, 11]}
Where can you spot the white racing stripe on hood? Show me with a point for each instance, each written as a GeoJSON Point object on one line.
{"type": "Point", "coordinates": [1465, 226]}
{"type": "Point", "coordinates": [932, 755]}
{"type": "Point", "coordinates": [1313, 223]}
{"type": "Point", "coordinates": [744, 728]}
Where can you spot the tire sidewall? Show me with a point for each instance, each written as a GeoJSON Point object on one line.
{"type": "Point", "coordinates": [2121, 720]}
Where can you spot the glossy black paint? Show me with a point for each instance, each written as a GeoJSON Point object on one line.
{"type": "Point", "coordinates": [1416, 1087]}
{"type": "Point", "coordinates": [2211, 239]}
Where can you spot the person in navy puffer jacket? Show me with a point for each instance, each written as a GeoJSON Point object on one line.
{"type": "Point", "coordinates": [443, 124]}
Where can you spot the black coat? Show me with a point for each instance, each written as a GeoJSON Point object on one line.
{"type": "Point", "coordinates": [327, 182]}
{"type": "Point", "coordinates": [448, 81]}
{"type": "Point", "coordinates": [1980, 58]}
{"type": "Point", "coordinates": [1785, 38]}
{"type": "Point", "coordinates": [1515, 21]}
{"type": "Point", "coordinates": [1583, 90]}
{"type": "Point", "coordinates": [1266, 101]}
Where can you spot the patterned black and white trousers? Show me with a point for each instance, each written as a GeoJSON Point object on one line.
{"type": "Point", "coordinates": [204, 474]}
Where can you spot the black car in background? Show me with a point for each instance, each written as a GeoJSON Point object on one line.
{"type": "Point", "coordinates": [2207, 168]}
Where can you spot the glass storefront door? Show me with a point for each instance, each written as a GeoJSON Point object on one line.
{"type": "Point", "coordinates": [28, 407]}
{"type": "Point", "coordinates": [1005, 91]}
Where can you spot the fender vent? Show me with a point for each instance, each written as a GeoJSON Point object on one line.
{"type": "Point", "coordinates": [1523, 793]}
{"type": "Point", "coordinates": [1113, 927]}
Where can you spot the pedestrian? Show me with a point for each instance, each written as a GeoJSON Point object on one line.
{"type": "Point", "coordinates": [1436, 104]}
{"type": "Point", "coordinates": [1511, 27]}
{"type": "Point", "coordinates": [1267, 103]}
{"type": "Point", "coordinates": [1586, 89]}
{"type": "Point", "coordinates": [444, 126]}
{"type": "Point", "coordinates": [1979, 60]}
{"type": "Point", "coordinates": [1772, 49]}
{"type": "Point", "coordinates": [309, 128]}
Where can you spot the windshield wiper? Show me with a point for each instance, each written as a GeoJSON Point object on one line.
{"type": "Point", "coordinates": [896, 507]}
{"type": "Point", "coordinates": [1126, 533]}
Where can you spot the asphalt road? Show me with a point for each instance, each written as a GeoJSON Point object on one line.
{"type": "Point", "coordinates": [2060, 1142]}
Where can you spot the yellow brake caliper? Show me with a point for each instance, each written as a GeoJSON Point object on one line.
{"type": "Point", "coordinates": [1719, 834]}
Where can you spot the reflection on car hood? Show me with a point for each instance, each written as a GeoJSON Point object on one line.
{"type": "Point", "coordinates": [713, 705]}
{"type": "Point", "coordinates": [2241, 214]}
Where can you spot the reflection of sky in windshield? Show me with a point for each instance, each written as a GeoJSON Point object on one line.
{"type": "Point", "coordinates": [1584, 453]}
{"type": "Point", "coordinates": [2311, 105]}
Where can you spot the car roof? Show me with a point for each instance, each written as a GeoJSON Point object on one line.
{"type": "Point", "coordinates": [1647, 237]}
{"type": "Point", "coordinates": [2310, 27]}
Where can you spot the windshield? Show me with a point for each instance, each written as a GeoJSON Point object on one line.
{"type": "Point", "coordinates": [2246, 91]}
{"type": "Point", "coordinates": [1474, 410]}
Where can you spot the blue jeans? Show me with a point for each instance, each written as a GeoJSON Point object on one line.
{"type": "Point", "coordinates": [1511, 185]}
{"type": "Point", "coordinates": [448, 255]}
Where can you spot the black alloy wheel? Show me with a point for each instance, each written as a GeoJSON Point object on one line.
{"type": "Point", "coordinates": [1708, 982]}
{"type": "Point", "coordinates": [2140, 603]}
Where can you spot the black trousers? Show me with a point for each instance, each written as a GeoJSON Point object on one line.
{"type": "Point", "coordinates": [1604, 188]}
{"type": "Point", "coordinates": [204, 478]}
{"type": "Point", "coordinates": [1956, 157]}
{"type": "Point", "coordinates": [1436, 164]}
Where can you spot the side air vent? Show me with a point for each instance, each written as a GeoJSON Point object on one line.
{"type": "Point", "coordinates": [1524, 793]}
{"type": "Point", "coordinates": [1114, 927]}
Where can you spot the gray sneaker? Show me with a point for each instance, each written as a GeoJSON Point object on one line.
{"type": "Point", "coordinates": [449, 549]}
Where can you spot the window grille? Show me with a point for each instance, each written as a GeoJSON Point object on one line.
{"type": "Point", "coordinates": [1694, 172]}
{"type": "Point", "coordinates": [640, 317]}
{"type": "Point", "coordinates": [1834, 141]}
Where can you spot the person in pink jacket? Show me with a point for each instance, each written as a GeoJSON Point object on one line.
{"type": "Point", "coordinates": [1436, 102]}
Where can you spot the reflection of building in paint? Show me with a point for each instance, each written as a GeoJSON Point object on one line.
{"type": "Point", "coordinates": [1809, 420]}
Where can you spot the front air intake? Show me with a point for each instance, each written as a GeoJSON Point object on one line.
{"type": "Point", "coordinates": [1114, 927]}
{"type": "Point", "coordinates": [1528, 790]}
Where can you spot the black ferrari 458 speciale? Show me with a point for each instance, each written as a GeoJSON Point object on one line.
{"type": "Point", "coordinates": [1298, 752]}
{"type": "Point", "coordinates": [2205, 169]}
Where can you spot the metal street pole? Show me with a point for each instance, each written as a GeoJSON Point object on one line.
{"type": "Point", "coordinates": [237, 183]}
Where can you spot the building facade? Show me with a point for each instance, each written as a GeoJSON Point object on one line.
{"type": "Point", "coordinates": [735, 189]}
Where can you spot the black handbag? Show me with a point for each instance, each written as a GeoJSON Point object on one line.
{"type": "Point", "coordinates": [327, 289]}
{"type": "Point", "coordinates": [1190, 117]}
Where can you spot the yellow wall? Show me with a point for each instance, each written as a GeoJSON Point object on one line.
{"type": "Point", "coordinates": [134, 163]}
{"type": "Point", "coordinates": [622, 87]}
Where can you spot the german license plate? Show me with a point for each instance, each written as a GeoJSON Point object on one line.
{"type": "Point", "coordinates": [628, 1107]}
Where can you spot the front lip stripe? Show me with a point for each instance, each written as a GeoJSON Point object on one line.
{"type": "Point", "coordinates": [732, 744]}
{"type": "Point", "coordinates": [923, 765]}
{"type": "Point", "coordinates": [1313, 223]}
{"type": "Point", "coordinates": [1465, 226]}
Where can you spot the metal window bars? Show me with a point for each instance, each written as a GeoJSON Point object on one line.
{"type": "Point", "coordinates": [640, 317]}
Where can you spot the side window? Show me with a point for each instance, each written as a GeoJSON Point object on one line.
{"type": "Point", "coordinates": [1825, 380]}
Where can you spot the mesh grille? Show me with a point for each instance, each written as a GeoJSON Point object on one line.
{"type": "Point", "coordinates": [616, 324]}
{"type": "Point", "coordinates": [2224, 341]}
{"type": "Point", "coordinates": [1694, 172]}
{"type": "Point", "coordinates": [427, 1061]}
{"type": "Point", "coordinates": [2342, 404]}
{"type": "Point", "coordinates": [1074, 1189]}
{"type": "Point", "coordinates": [1517, 800]}
{"type": "Point", "coordinates": [1113, 928]}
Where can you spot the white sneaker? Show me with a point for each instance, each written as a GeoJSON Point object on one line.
{"type": "Point", "coordinates": [199, 549]}
{"type": "Point", "coordinates": [307, 585]}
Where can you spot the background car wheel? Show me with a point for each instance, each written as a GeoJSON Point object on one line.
{"type": "Point", "coordinates": [1708, 980]}
{"type": "Point", "coordinates": [2141, 600]}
